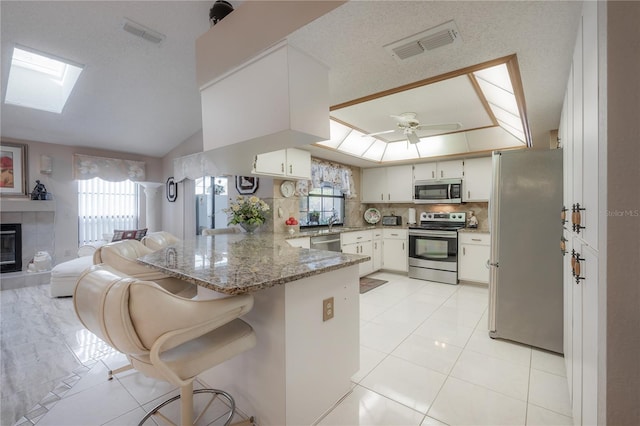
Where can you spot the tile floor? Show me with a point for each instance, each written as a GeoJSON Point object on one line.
{"type": "Point", "coordinates": [425, 359]}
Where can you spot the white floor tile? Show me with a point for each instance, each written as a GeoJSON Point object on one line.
{"type": "Point", "coordinates": [549, 391]}
{"type": "Point", "coordinates": [429, 353]}
{"type": "Point", "coordinates": [463, 403]}
{"type": "Point", "coordinates": [145, 389]}
{"type": "Point", "coordinates": [369, 310]}
{"type": "Point", "coordinates": [94, 406]}
{"type": "Point", "coordinates": [364, 407]}
{"type": "Point", "coordinates": [452, 334]}
{"type": "Point", "coordinates": [508, 351]}
{"type": "Point", "coordinates": [538, 416]}
{"type": "Point", "coordinates": [132, 418]}
{"type": "Point", "coordinates": [457, 316]}
{"type": "Point", "coordinates": [549, 362]}
{"type": "Point", "coordinates": [408, 313]}
{"type": "Point", "coordinates": [409, 384]}
{"type": "Point", "coordinates": [383, 338]}
{"type": "Point", "coordinates": [413, 333]}
{"type": "Point", "coordinates": [369, 358]}
{"type": "Point", "coordinates": [438, 289]}
{"type": "Point", "coordinates": [200, 401]}
{"type": "Point", "coordinates": [502, 376]}
{"type": "Point", "coordinates": [464, 302]}
{"type": "Point", "coordinates": [430, 421]}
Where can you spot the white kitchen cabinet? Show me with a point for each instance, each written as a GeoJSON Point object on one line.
{"type": "Point", "coordinates": [451, 169]}
{"type": "Point", "coordinates": [395, 246]}
{"type": "Point", "coordinates": [291, 163]}
{"type": "Point", "coordinates": [387, 185]}
{"type": "Point", "coordinates": [476, 184]}
{"type": "Point", "coordinates": [377, 249]}
{"type": "Point", "coordinates": [579, 134]}
{"type": "Point", "coordinates": [302, 242]}
{"type": "Point", "coordinates": [359, 242]}
{"type": "Point", "coordinates": [473, 254]}
{"type": "Point", "coordinates": [291, 110]}
{"type": "Point", "coordinates": [373, 185]}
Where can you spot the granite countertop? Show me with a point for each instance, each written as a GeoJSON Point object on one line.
{"type": "Point", "coordinates": [244, 263]}
{"type": "Point", "coordinates": [337, 230]}
{"type": "Point", "coordinates": [474, 230]}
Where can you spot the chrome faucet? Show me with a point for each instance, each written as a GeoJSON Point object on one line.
{"type": "Point", "coordinates": [331, 221]}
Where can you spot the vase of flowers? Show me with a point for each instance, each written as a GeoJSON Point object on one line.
{"type": "Point", "coordinates": [248, 212]}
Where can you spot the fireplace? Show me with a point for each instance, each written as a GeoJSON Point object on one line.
{"type": "Point", "coordinates": [10, 247]}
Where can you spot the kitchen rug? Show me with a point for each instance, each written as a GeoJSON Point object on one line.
{"type": "Point", "coordinates": [367, 284]}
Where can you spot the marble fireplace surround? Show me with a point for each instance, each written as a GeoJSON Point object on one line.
{"type": "Point", "coordinates": [38, 234]}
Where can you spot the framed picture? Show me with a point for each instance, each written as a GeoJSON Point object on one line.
{"type": "Point", "coordinates": [246, 185]}
{"type": "Point", "coordinates": [172, 190]}
{"type": "Point", "coordinates": [13, 169]}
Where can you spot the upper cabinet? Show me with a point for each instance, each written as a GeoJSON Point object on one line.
{"type": "Point", "coordinates": [291, 162]}
{"type": "Point", "coordinates": [387, 185]}
{"type": "Point", "coordinates": [277, 100]}
{"type": "Point", "coordinates": [439, 170]}
{"type": "Point", "coordinates": [476, 185]}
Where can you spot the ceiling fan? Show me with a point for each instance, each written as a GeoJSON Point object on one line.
{"type": "Point", "coordinates": [408, 123]}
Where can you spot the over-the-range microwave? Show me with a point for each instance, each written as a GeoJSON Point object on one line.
{"type": "Point", "coordinates": [444, 191]}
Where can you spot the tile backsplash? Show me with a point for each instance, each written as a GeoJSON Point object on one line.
{"type": "Point", "coordinates": [481, 211]}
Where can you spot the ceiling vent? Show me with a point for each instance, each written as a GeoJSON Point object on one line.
{"type": "Point", "coordinates": [142, 31]}
{"type": "Point", "coordinates": [430, 39]}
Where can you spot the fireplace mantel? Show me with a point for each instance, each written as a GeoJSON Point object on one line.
{"type": "Point", "coordinates": [27, 205]}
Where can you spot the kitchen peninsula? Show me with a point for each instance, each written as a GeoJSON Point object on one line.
{"type": "Point", "coordinates": [302, 363]}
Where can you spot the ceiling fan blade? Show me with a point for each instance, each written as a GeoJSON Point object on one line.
{"type": "Point", "coordinates": [412, 137]}
{"type": "Point", "coordinates": [379, 133]}
{"type": "Point", "coordinates": [443, 126]}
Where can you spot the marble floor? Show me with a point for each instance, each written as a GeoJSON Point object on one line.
{"type": "Point", "coordinates": [425, 359]}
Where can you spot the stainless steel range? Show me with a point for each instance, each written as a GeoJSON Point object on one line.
{"type": "Point", "coordinates": [433, 247]}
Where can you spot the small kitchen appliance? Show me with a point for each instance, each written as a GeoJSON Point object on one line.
{"type": "Point", "coordinates": [391, 220]}
{"type": "Point", "coordinates": [433, 247]}
{"type": "Point", "coordinates": [444, 191]}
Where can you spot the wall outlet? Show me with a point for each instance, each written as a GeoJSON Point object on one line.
{"type": "Point", "coordinates": [327, 309]}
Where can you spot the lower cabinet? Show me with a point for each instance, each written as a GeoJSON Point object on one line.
{"type": "Point", "coordinates": [473, 254]}
{"type": "Point", "coordinates": [359, 242]}
{"type": "Point", "coordinates": [395, 245]}
{"type": "Point", "coordinates": [377, 249]}
{"type": "Point", "coordinates": [302, 242]}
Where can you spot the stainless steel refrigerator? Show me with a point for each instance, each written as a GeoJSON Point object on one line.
{"type": "Point", "coordinates": [525, 287]}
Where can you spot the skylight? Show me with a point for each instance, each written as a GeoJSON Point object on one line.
{"type": "Point", "coordinates": [40, 81]}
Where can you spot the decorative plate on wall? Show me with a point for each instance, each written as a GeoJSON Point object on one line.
{"type": "Point", "coordinates": [372, 216]}
{"type": "Point", "coordinates": [246, 185]}
{"type": "Point", "coordinates": [172, 190]}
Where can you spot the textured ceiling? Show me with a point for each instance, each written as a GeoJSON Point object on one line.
{"type": "Point", "coordinates": [142, 98]}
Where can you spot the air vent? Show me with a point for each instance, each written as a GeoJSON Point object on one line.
{"type": "Point", "coordinates": [142, 31]}
{"type": "Point", "coordinates": [430, 39]}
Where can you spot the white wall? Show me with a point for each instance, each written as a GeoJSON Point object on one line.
{"type": "Point", "coordinates": [64, 189]}
{"type": "Point", "coordinates": [178, 217]}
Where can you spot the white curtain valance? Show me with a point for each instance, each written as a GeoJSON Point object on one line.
{"type": "Point", "coordinates": [109, 169]}
{"type": "Point", "coordinates": [194, 166]}
{"type": "Point", "coordinates": [339, 175]}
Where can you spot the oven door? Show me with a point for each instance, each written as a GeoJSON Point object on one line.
{"type": "Point", "coordinates": [433, 249]}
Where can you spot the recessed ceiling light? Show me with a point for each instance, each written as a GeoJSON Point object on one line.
{"type": "Point", "coordinates": [39, 80]}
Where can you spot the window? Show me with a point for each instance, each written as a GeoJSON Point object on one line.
{"type": "Point", "coordinates": [104, 206]}
{"type": "Point", "coordinates": [321, 204]}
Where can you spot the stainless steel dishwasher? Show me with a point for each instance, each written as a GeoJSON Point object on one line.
{"type": "Point", "coordinates": [326, 242]}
